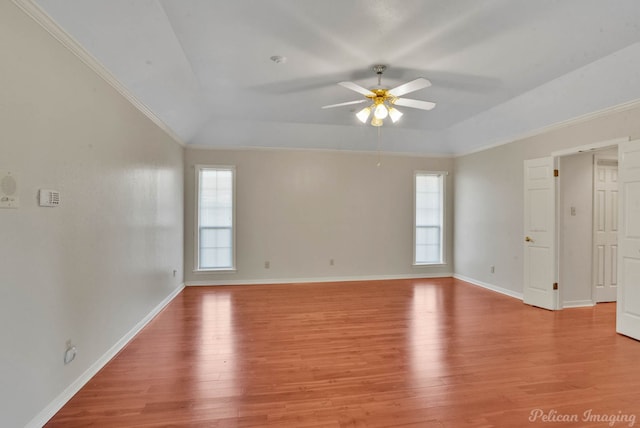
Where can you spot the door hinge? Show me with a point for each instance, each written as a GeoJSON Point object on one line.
{"type": "Point", "coordinates": [555, 285]}
{"type": "Point", "coordinates": [556, 173]}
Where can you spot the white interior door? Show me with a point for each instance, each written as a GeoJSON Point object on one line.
{"type": "Point", "coordinates": [539, 233]}
{"type": "Point", "coordinates": [605, 228]}
{"type": "Point", "coordinates": [628, 309]}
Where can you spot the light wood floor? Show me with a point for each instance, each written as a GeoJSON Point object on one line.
{"type": "Point", "coordinates": [409, 353]}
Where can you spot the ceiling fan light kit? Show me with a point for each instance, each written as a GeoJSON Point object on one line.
{"type": "Point", "coordinates": [363, 114]}
{"type": "Point", "coordinates": [395, 114]}
{"type": "Point", "coordinates": [381, 111]}
{"type": "Point", "coordinates": [383, 100]}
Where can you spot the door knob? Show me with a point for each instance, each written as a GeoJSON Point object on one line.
{"type": "Point", "coordinates": [528, 239]}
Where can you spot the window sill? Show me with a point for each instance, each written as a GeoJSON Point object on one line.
{"type": "Point", "coordinates": [419, 265]}
{"type": "Point", "coordinates": [221, 270]}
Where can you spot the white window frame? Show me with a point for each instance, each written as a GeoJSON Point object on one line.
{"type": "Point", "coordinates": [443, 214]}
{"type": "Point", "coordinates": [198, 169]}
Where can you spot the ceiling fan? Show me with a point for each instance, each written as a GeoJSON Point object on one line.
{"type": "Point", "coordinates": [383, 100]}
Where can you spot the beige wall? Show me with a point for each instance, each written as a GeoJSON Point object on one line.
{"type": "Point", "coordinates": [91, 269]}
{"type": "Point", "coordinates": [489, 196]}
{"type": "Point", "coordinates": [299, 209]}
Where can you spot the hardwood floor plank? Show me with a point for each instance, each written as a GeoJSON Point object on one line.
{"type": "Point", "coordinates": [398, 353]}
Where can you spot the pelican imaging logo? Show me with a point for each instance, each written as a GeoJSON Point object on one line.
{"type": "Point", "coordinates": [607, 419]}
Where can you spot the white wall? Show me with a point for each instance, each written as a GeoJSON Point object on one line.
{"type": "Point", "coordinates": [94, 267]}
{"type": "Point", "coordinates": [299, 209]}
{"type": "Point", "coordinates": [576, 190]}
{"type": "Point", "coordinates": [488, 218]}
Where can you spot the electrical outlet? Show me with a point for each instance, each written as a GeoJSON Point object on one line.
{"type": "Point", "coordinates": [493, 269]}
{"type": "Point", "coordinates": [174, 273]}
{"type": "Point", "coordinates": [267, 264]}
{"type": "Point", "coordinates": [331, 263]}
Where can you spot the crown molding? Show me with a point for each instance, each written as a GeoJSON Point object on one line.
{"type": "Point", "coordinates": [559, 125]}
{"type": "Point", "coordinates": [35, 12]}
{"type": "Point", "coordinates": [320, 150]}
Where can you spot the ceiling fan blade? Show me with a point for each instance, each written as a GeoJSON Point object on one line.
{"type": "Point", "coordinates": [422, 105]}
{"type": "Point", "coordinates": [355, 87]}
{"type": "Point", "coordinates": [348, 103]}
{"type": "Point", "coordinates": [414, 85]}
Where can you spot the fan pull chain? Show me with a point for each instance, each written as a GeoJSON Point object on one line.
{"type": "Point", "coordinates": [379, 156]}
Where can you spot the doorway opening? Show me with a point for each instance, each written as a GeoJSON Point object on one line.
{"type": "Point", "coordinates": [553, 252]}
{"type": "Point", "coordinates": [542, 216]}
{"type": "Point", "coordinates": [588, 220]}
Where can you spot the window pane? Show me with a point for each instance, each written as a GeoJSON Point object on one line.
{"type": "Point", "coordinates": [428, 218]}
{"type": "Point", "coordinates": [216, 246]}
{"type": "Point", "coordinates": [215, 238]}
{"type": "Point", "coordinates": [427, 235]}
{"type": "Point", "coordinates": [216, 198]}
{"type": "Point", "coordinates": [211, 258]}
{"type": "Point", "coordinates": [215, 218]}
{"type": "Point", "coordinates": [428, 254]}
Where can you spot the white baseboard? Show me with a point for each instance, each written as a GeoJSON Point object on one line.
{"type": "Point", "coordinates": [578, 304]}
{"type": "Point", "coordinates": [48, 412]}
{"type": "Point", "coordinates": [488, 286]}
{"type": "Point", "coordinates": [321, 279]}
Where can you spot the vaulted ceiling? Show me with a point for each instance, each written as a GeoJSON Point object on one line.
{"type": "Point", "coordinates": [500, 69]}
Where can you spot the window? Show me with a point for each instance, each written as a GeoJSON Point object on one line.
{"type": "Point", "coordinates": [215, 211]}
{"type": "Point", "coordinates": [429, 218]}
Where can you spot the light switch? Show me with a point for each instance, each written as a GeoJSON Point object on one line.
{"type": "Point", "coordinates": [49, 198]}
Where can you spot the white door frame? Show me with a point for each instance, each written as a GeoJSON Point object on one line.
{"type": "Point", "coordinates": [590, 147]}
{"type": "Point", "coordinates": [572, 151]}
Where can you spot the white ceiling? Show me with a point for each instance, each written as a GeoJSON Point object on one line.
{"type": "Point", "coordinates": [500, 69]}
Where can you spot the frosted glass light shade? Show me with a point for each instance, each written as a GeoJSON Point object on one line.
{"type": "Point", "coordinates": [363, 114]}
{"type": "Point", "coordinates": [395, 114]}
{"type": "Point", "coordinates": [381, 112]}
{"type": "Point", "coordinates": [376, 122]}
